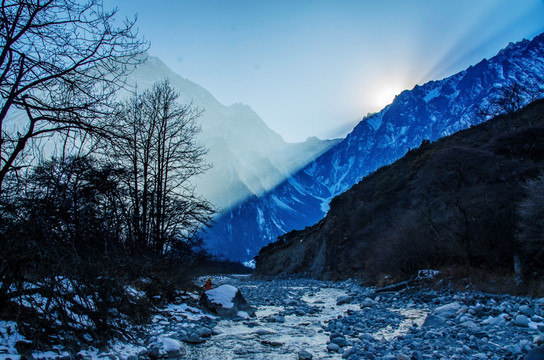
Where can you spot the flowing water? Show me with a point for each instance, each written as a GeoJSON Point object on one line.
{"type": "Point", "coordinates": [258, 338]}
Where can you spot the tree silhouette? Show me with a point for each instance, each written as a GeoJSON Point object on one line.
{"type": "Point", "coordinates": [61, 62]}
{"type": "Point", "coordinates": [159, 148]}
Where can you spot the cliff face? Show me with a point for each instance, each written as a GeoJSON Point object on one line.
{"type": "Point", "coordinates": [453, 201]}
{"type": "Point", "coordinates": [430, 111]}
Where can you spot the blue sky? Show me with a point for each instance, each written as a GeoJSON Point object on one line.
{"type": "Point", "coordinates": [316, 67]}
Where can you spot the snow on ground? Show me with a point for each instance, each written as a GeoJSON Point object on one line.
{"type": "Point", "coordinates": [222, 295]}
{"type": "Point", "coordinates": [9, 335]}
{"type": "Point", "coordinates": [411, 317]}
{"type": "Point", "coordinates": [329, 321]}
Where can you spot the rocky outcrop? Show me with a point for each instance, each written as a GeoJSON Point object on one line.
{"type": "Point", "coordinates": [450, 202]}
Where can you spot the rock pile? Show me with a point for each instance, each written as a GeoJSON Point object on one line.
{"type": "Point", "coordinates": [467, 325]}
{"type": "Point", "coordinates": [309, 319]}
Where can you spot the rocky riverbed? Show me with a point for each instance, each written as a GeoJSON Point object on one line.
{"type": "Point", "coordinates": [309, 319]}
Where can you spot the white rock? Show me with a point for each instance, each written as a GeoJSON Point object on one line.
{"type": "Point", "coordinates": [448, 310]}
{"type": "Point", "coordinates": [243, 315]}
{"type": "Point", "coordinates": [368, 302]}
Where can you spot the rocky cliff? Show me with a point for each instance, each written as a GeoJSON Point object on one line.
{"type": "Point", "coordinates": [452, 202]}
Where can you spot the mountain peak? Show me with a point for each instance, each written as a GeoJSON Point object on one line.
{"type": "Point", "coordinates": [427, 112]}
{"type": "Point", "coordinates": [248, 157]}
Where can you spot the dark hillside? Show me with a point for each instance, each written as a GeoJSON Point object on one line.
{"type": "Point", "coordinates": [448, 203]}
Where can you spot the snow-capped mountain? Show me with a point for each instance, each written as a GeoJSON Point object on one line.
{"type": "Point", "coordinates": [429, 111]}
{"type": "Point", "coordinates": [248, 157]}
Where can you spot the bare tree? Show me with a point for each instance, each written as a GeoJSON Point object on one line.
{"type": "Point", "coordinates": [61, 62]}
{"type": "Point", "coordinates": [512, 97]}
{"type": "Point", "coordinates": [159, 147]}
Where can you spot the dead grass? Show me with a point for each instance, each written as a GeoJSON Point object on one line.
{"type": "Point", "coordinates": [467, 277]}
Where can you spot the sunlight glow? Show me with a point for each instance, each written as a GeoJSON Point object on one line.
{"type": "Point", "coordinates": [385, 95]}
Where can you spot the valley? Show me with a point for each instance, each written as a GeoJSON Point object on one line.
{"type": "Point", "coordinates": [143, 219]}
{"type": "Point", "coordinates": [311, 319]}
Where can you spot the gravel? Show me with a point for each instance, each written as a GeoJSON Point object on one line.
{"type": "Point", "coordinates": [305, 319]}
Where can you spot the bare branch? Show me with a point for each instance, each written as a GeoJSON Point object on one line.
{"type": "Point", "coordinates": [66, 59]}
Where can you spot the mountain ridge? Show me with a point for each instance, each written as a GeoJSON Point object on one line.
{"type": "Point", "coordinates": [248, 157]}
{"type": "Point", "coordinates": [451, 203]}
{"type": "Point", "coordinates": [435, 109]}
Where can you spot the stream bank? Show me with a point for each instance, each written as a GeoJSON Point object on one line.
{"type": "Point", "coordinates": [311, 319]}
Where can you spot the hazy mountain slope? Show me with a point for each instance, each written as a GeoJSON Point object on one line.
{"type": "Point", "coordinates": [430, 111]}
{"type": "Point", "coordinates": [248, 157]}
{"type": "Point", "coordinates": [449, 203]}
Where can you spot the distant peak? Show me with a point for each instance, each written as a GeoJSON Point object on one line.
{"type": "Point", "coordinates": [313, 139]}
{"type": "Point", "coordinates": [239, 105]}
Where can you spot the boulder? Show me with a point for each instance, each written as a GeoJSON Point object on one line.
{"type": "Point", "coordinates": [448, 310]}
{"type": "Point", "coordinates": [368, 302]}
{"type": "Point", "coordinates": [521, 320]}
{"type": "Point", "coordinates": [367, 338]}
{"type": "Point", "coordinates": [272, 343]}
{"type": "Point", "coordinates": [163, 347]}
{"type": "Point", "coordinates": [535, 354]}
{"type": "Point", "coordinates": [225, 301]}
{"type": "Point", "coordinates": [275, 318]}
{"type": "Point", "coordinates": [433, 321]}
{"type": "Point", "coordinates": [244, 315]}
{"type": "Point", "coordinates": [193, 338]}
{"type": "Point", "coordinates": [304, 355]}
{"type": "Point", "coordinates": [261, 332]}
{"type": "Point", "coordinates": [340, 341]}
{"type": "Point", "coordinates": [345, 299]}
{"type": "Point", "coordinates": [526, 310]}
{"type": "Point", "coordinates": [332, 347]}
{"type": "Point", "coordinates": [203, 331]}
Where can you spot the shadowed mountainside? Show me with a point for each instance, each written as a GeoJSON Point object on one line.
{"type": "Point", "coordinates": [454, 202]}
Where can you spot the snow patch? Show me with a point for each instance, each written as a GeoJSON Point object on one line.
{"type": "Point", "coordinates": [325, 204]}
{"type": "Point", "coordinates": [9, 335]}
{"type": "Point", "coordinates": [250, 263]}
{"type": "Point", "coordinates": [411, 317]}
{"type": "Point", "coordinates": [279, 226]}
{"type": "Point", "coordinates": [186, 311]}
{"type": "Point", "coordinates": [375, 121]}
{"type": "Point", "coordinates": [170, 345]}
{"type": "Point", "coordinates": [281, 204]}
{"type": "Point", "coordinates": [432, 94]}
{"type": "Point", "coordinates": [222, 295]}
{"type": "Point", "coordinates": [260, 217]}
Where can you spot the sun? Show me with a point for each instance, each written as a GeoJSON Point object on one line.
{"type": "Point", "coordinates": [385, 94]}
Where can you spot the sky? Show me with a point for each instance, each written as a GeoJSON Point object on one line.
{"type": "Point", "coordinates": [317, 67]}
